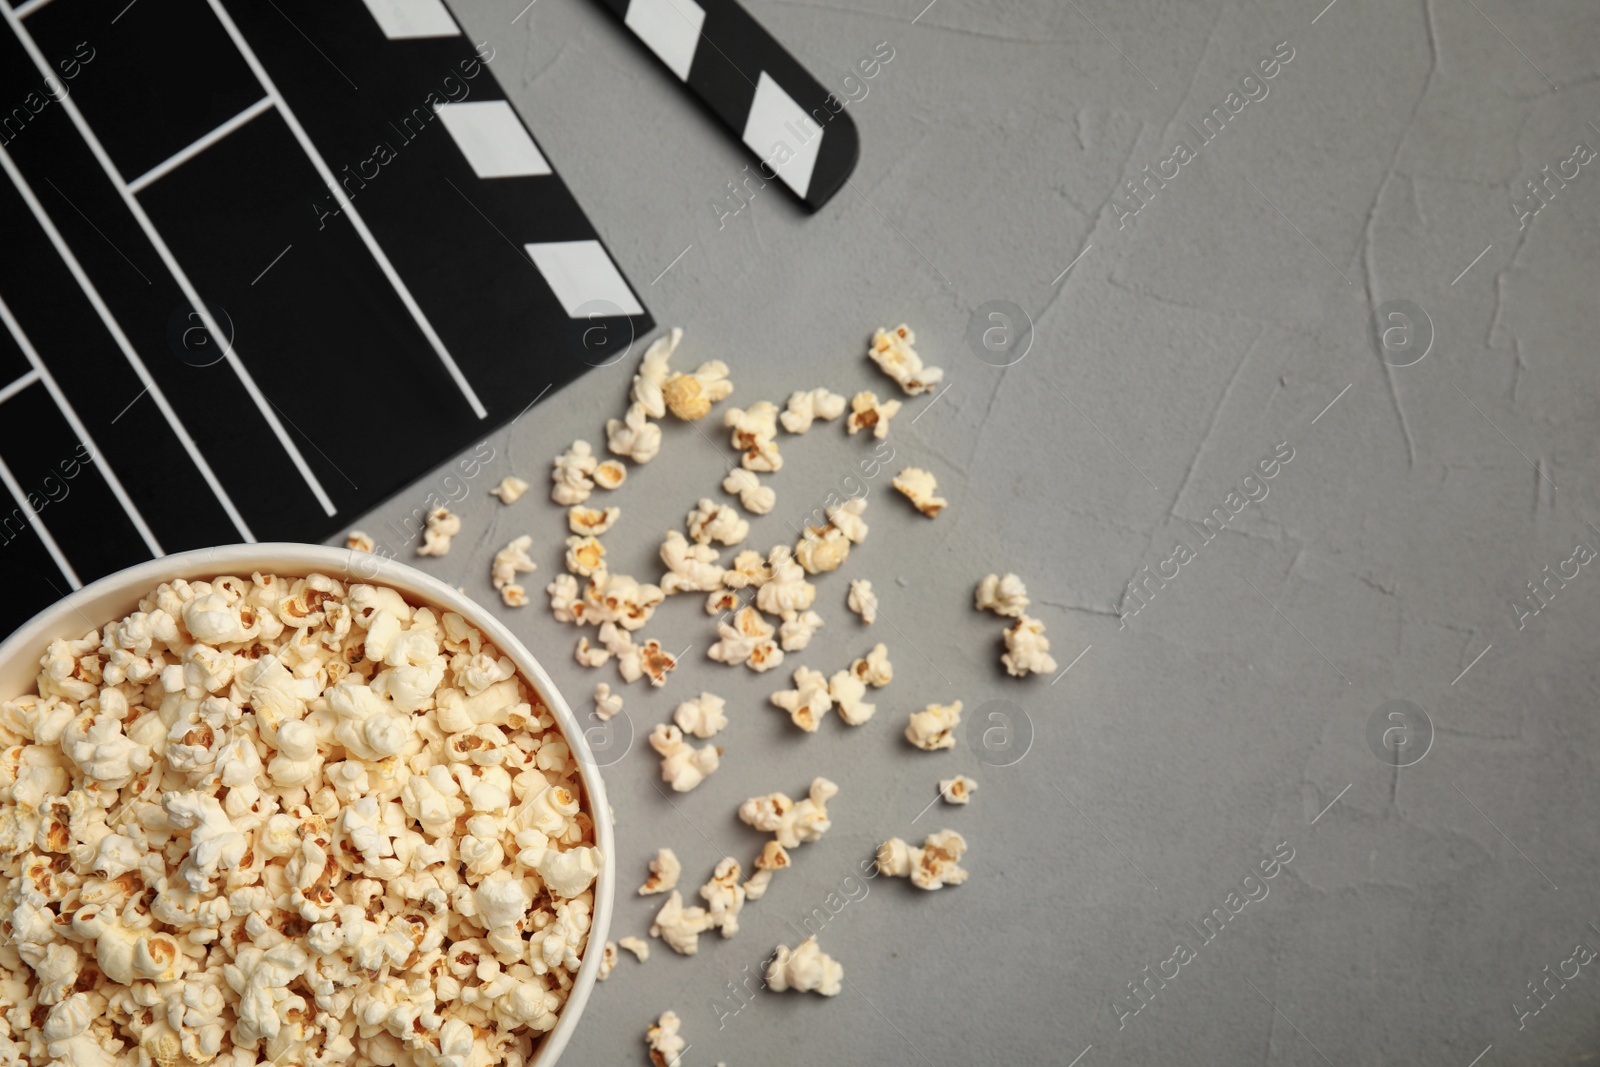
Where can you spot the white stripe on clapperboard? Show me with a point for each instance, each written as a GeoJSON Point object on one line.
{"type": "Point", "coordinates": [154, 237]}
{"type": "Point", "coordinates": [173, 163]}
{"type": "Point", "coordinates": [38, 527]}
{"type": "Point", "coordinates": [123, 343]}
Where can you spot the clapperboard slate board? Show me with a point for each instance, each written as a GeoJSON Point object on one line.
{"type": "Point", "coordinates": [246, 353]}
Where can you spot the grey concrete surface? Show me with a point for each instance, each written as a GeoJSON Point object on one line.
{"type": "Point", "coordinates": [1230, 714]}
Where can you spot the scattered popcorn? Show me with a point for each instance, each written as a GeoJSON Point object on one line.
{"type": "Point", "coordinates": [681, 764]}
{"type": "Point", "coordinates": [610, 474]}
{"type": "Point", "coordinates": [755, 433]}
{"type": "Point", "coordinates": [933, 728]}
{"type": "Point", "coordinates": [1003, 596]}
{"type": "Point", "coordinates": [1027, 649]}
{"type": "Point", "coordinates": [919, 487]}
{"type": "Point", "coordinates": [789, 822]}
{"type": "Point", "coordinates": [750, 569]}
{"type": "Point", "coordinates": [808, 701]}
{"type": "Point", "coordinates": [691, 567]}
{"type": "Point", "coordinates": [653, 374]}
{"type": "Point", "coordinates": [934, 865]}
{"type": "Point", "coordinates": [806, 969]}
{"type": "Point", "coordinates": [638, 661]}
{"type": "Point", "coordinates": [787, 592]}
{"type": "Point", "coordinates": [640, 949]}
{"type": "Point", "coordinates": [665, 1044]}
{"type": "Point", "coordinates": [724, 897]}
{"type": "Point", "coordinates": [664, 871]}
{"type": "Point", "coordinates": [606, 703]}
{"type": "Point", "coordinates": [585, 556]}
{"type": "Point", "coordinates": [805, 407]}
{"type": "Point", "coordinates": [510, 489]}
{"type": "Point", "coordinates": [867, 413]}
{"type": "Point", "coordinates": [634, 436]}
{"type": "Point", "coordinates": [701, 716]}
{"type": "Point", "coordinates": [821, 550]}
{"type": "Point", "coordinates": [680, 927]}
{"type": "Point", "coordinates": [846, 691]}
{"type": "Point", "coordinates": [862, 600]}
{"type": "Point", "coordinates": [774, 857]}
{"type": "Point", "coordinates": [442, 526]}
{"type": "Point", "coordinates": [690, 396]}
{"type": "Point", "coordinates": [874, 668]}
{"type": "Point", "coordinates": [592, 522]}
{"type": "Point", "coordinates": [846, 518]}
{"type": "Point", "coordinates": [747, 640]}
{"type": "Point", "coordinates": [710, 521]}
{"type": "Point", "coordinates": [571, 475]}
{"type": "Point", "coordinates": [754, 497]}
{"type": "Point", "coordinates": [957, 790]}
{"type": "Point", "coordinates": [796, 632]}
{"type": "Point", "coordinates": [360, 541]}
{"type": "Point", "coordinates": [509, 562]}
{"type": "Point", "coordinates": [608, 961]}
{"type": "Point", "coordinates": [891, 350]}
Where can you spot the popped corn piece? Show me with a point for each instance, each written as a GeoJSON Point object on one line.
{"type": "Point", "coordinates": [710, 521]}
{"type": "Point", "coordinates": [442, 526]}
{"type": "Point", "coordinates": [585, 555]}
{"type": "Point", "coordinates": [653, 373]}
{"type": "Point", "coordinates": [808, 701]}
{"type": "Point", "coordinates": [920, 488]}
{"type": "Point", "coordinates": [664, 871]}
{"type": "Point", "coordinates": [571, 475]}
{"type": "Point", "coordinates": [606, 703]}
{"type": "Point", "coordinates": [702, 716]}
{"type": "Point", "coordinates": [359, 540]}
{"type": "Point", "coordinates": [773, 858]}
{"type": "Point", "coordinates": [753, 426]}
{"type": "Point", "coordinates": [634, 436]}
{"type": "Point", "coordinates": [754, 497]}
{"type": "Point", "coordinates": [691, 567]}
{"type": "Point", "coordinates": [722, 601]}
{"type": "Point", "coordinates": [791, 823]}
{"type": "Point", "coordinates": [681, 764]}
{"type": "Point", "coordinates": [566, 604]}
{"type": "Point", "coordinates": [806, 969]}
{"type": "Point", "coordinates": [648, 660]}
{"type": "Point", "coordinates": [822, 550]}
{"type": "Point", "coordinates": [608, 961]}
{"type": "Point", "coordinates": [724, 897]}
{"type": "Point", "coordinates": [1002, 595]}
{"type": "Point", "coordinates": [846, 691]}
{"type": "Point", "coordinates": [933, 728]}
{"type": "Point", "coordinates": [610, 474]}
{"type": "Point", "coordinates": [891, 350]}
{"type": "Point", "coordinates": [1027, 649]}
{"type": "Point", "coordinates": [805, 407]}
{"type": "Point", "coordinates": [747, 640]}
{"type": "Point", "coordinates": [874, 668]}
{"type": "Point", "coordinates": [592, 522]}
{"type": "Point", "coordinates": [620, 599]}
{"type": "Point", "coordinates": [569, 873]}
{"type": "Point", "coordinates": [862, 600]}
{"type": "Point", "coordinates": [935, 865]}
{"type": "Point", "coordinates": [796, 632]}
{"type": "Point", "coordinates": [510, 489]}
{"type": "Point", "coordinates": [690, 396]}
{"type": "Point", "coordinates": [846, 518]}
{"type": "Point", "coordinates": [640, 948]}
{"type": "Point", "coordinates": [665, 1044]}
{"type": "Point", "coordinates": [868, 413]}
{"type": "Point", "coordinates": [680, 927]}
{"type": "Point", "coordinates": [957, 790]}
{"type": "Point", "coordinates": [509, 562]}
{"type": "Point", "coordinates": [787, 592]}
{"type": "Point", "coordinates": [750, 569]}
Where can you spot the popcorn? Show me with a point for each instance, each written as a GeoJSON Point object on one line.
{"type": "Point", "coordinates": [797, 631]}
{"type": "Point", "coordinates": [1003, 596]}
{"type": "Point", "coordinates": [808, 701]}
{"type": "Point", "coordinates": [640, 949]}
{"type": "Point", "coordinates": [933, 728]}
{"type": "Point", "coordinates": [755, 433]}
{"type": "Point", "coordinates": [863, 601]}
{"type": "Point", "coordinates": [935, 865]}
{"type": "Point", "coordinates": [571, 475]}
{"type": "Point", "coordinates": [891, 350]}
{"type": "Point", "coordinates": [592, 522]}
{"type": "Point", "coordinates": [585, 555]}
{"type": "Point", "coordinates": [754, 497]}
{"type": "Point", "coordinates": [510, 489]}
{"type": "Point", "coordinates": [846, 518]}
{"type": "Point", "coordinates": [681, 765]}
{"type": "Point", "coordinates": [571, 872]}
{"type": "Point", "coordinates": [680, 927]}
{"type": "Point", "coordinates": [874, 668]}
{"type": "Point", "coordinates": [634, 436]}
{"type": "Point", "coordinates": [846, 691]}
{"type": "Point", "coordinates": [691, 568]}
{"type": "Point", "coordinates": [747, 640]}
{"type": "Point", "coordinates": [1027, 649]}
{"type": "Point", "coordinates": [701, 716]}
{"type": "Point", "coordinates": [867, 413]}
{"type": "Point", "coordinates": [665, 1044]}
{"type": "Point", "coordinates": [750, 569]}
{"type": "Point", "coordinates": [609, 474]}
{"type": "Point", "coordinates": [608, 962]}
{"type": "Point", "coordinates": [787, 592]}
{"type": "Point", "coordinates": [805, 407]}
{"type": "Point", "coordinates": [957, 790]}
{"type": "Point", "coordinates": [442, 526]}
{"type": "Point", "coordinates": [919, 487]}
{"type": "Point", "coordinates": [509, 562]}
{"type": "Point", "coordinates": [360, 541]}
{"type": "Point", "coordinates": [820, 551]}
{"type": "Point", "coordinates": [773, 858]}
{"type": "Point", "coordinates": [724, 897]}
{"type": "Point", "coordinates": [653, 374]}
{"type": "Point", "coordinates": [791, 823]}
{"type": "Point", "coordinates": [606, 703]}
{"type": "Point", "coordinates": [806, 969]}
{"type": "Point", "coordinates": [664, 871]}
{"type": "Point", "coordinates": [690, 396]}
{"type": "Point", "coordinates": [710, 521]}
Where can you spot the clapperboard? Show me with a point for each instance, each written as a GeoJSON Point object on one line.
{"type": "Point", "coordinates": [262, 264]}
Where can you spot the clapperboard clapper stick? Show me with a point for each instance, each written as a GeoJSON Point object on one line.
{"type": "Point", "coordinates": [763, 94]}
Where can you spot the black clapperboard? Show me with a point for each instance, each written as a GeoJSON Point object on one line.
{"type": "Point", "coordinates": [263, 264]}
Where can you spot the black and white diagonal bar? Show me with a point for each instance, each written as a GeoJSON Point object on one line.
{"type": "Point", "coordinates": [772, 104]}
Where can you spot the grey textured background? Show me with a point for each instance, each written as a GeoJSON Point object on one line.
{"type": "Point", "coordinates": [1231, 711]}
